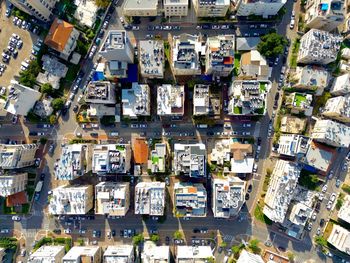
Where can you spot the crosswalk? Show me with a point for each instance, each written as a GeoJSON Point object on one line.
{"type": "Point", "coordinates": [228, 238]}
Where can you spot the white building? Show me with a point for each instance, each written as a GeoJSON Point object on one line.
{"type": "Point", "coordinates": [331, 133]}
{"type": "Point", "coordinates": [112, 198]}
{"type": "Point", "coordinates": [344, 212]}
{"type": "Point", "coordinates": [219, 53]}
{"type": "Point", "coordinates": [325, 15]}
{"type": "Point", "coordinates": [253, 65]}
{"type": "Point", "coordinates": [54, 71]}
{"type": "Point", "coordinates": [155, 254]}
{"type": "Point", "coordinates": [100, 92]}
{"type": "Point", "coordinates": [158, 160]}
{"type": "Point", "coordinates": [338, 108]}
{"type": "Point", "coordinates": [246, 257]}
{"type": "Point", "coordinates": [228, 196]}
{"type": "Point", "coordinates": [264, 8]}
{"type": "Point", "coordinates": [150, 198]}
{"type": "Point", "coordinates": [111, 158]}
{"type": "Point", "coordinates": [299, 103]}
{"type": "Point", "coordinates": [12, 183]}
{"type": "Point", "coordinates": [190, 159]}
{"type": "Point", "coordinates": [201, 100]}
{"type": "Point", "coordinates": [73, 163]}
{"type": "Point", "coordinates": [175, 8]}
{"type": "Point", "coordinates": [41, 9]}
{"type": "Point", "coordinates": [300, 214]}
{"type": "Point", "coordinates": [140, 8]}
{"type": "Point", "coordinates": [151, 58]}
{"type": "Point", "coordinates": [211, 8]}
{"type": "Point", "coordinates": [136, 101]}
{"type": "Point", "coordinates": [119, 254]}
{"type": "Point", "coordinates": [170, 100]}
{"type": "Point", "coordinates": [86, 12]}
{"type": "Point", "coordinates": [293, 145]}
{"type": "Point", "coordinates": [318, 157]}
{"type": "Point", "coordinates": [318, 47]}
{"type": "Point", "coordinates": [340, 239]}
{"type": "Point", "coordinates": [79, 254]}
{"type": "Point", "coordinates": [47, 254]}
{"type": "Point", "coordinates": [17, 156]}
{"type": "Point", "coordinates": [341, 85]}
{"type": "Point", "coordinates": [185, 55]}
{"type": "Point", "coordinates": [71, 200]}
{"type": "Point", "coordinates": [193, 254]}
{"type": "Point", "coordinates": [282, 184]}
{"type": "Point", "coordinates": [190, 200]}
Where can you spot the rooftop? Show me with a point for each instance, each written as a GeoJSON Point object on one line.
{"type": "Point", "coordinates": [17, 156]}
{"type": "Point", "coordinates": [190, 159]}
{"type": "Point", "coordinates": [197, 253]}
{"type": "Point", "coordinates": [137, 4]}
{"type": "Point", "coordinates": [301, 101]}
{"type": "Point", "coordinates": [155, 254]}
{"type": "Point", "coordinates": [59, 34]}
{"type": "Point", "coordinates": [332, 133]}
{"type": "Point", "coordinates": [86, 12]}
{"type": "Point", "coordinates": [140, 148]}
{"type": "Point", "coordinates": [100, 92]}
{"type": "Point", "coordinates": [341, 85]}
{"type": "Point", "coordinates": [119, 254]}
{"type": "Point", "coordinates": [254, 65]}
{"type": "Point", "coordinates": [47, 254]}
{"type": "Point", "coordinates": [151, 58]}
{"type": "Point", "coordinates": [157, 162]}
{"type": "Point", "coordinates": [340, 238]}
{"type": "Point", "coordinates": [221, 50]}
{"type": "Point", "coordinates": [12, 183]}
{"type": "Point", "coordinates": [53, 66]}
{"type": "Point", "coordinates": [300, 214]}
{"type": "Point", "coordinates": [291, 124]}
{"type": "Point", "coordinates": [344, 212]}
{"type": "Point", "coordinates": [116, 39]}
{"type": "Point", "coordinates": [201, 101]}
{"type": "Point", "coordinates": [293, 145]}
{"type": "Point", "coordinates": [318, 157]}
{"type": "Point", "coordinates": [246, 256]}
{"type": "Point", "coordinates": [136, 101]}
{"type": "Point", "coordinates": [338, 107]}
{"type": "Point", "coordinates": [247, 43]}
{"type": "Point", "coordinates": [170, 100]}
{"type": "Point", "coordinates": [185, 52]}
{"type": "Point", "coordinates": [150, 198]}
{"type": "Point", "coordinates": [83, 254]}
{"type": "Point", "coordinates": [310, 76]}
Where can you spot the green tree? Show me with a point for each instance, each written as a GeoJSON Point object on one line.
{"type": "Point", "coordinates": [254, 246]}
{"type": "Point", "coordinates": [46, 89]}
{"type": "Point", "coordinates": [53, 119]}
{"type": "Point", "coordinates": [210, 260]}
{"type": "Point", "coordinates": [28, 76]}
{"type": "Point", "coordinates": [154, 238]}
{"type": "Point", "coordinates": [321, 241]}
{"type": "Point", "coordinates": [177, 235]}
{"type": "Point", "coordinates": [136, 240]}
{"type": "Point", "coordinates": [236, 250]}
{"type": "Point", "coordinates": [58, 104]}
{"type": "Point", "coordinates": [272, 45]}
{"type": "Point", "coordinates": [223, 244]}
{"type": "Point", "coordinates": [291, 256]}
{"type": "Point", "coordinates": [43, 141]}
{"type": "Point", "coordinates": [102, 3]}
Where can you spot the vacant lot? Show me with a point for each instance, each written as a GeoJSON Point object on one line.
{"type": "Point", "coordinates": [7, 28]}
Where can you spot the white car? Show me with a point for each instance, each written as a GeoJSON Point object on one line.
{"type": "Point", "coordinates": [333, 196]}
{"type": "Point", "coordinates": [67, 231]}
{"type": "Point", "coordinates": [313, 217]}
{"type": "Point", "coordinates": [79, 98]}
{"type": "Point", "coordinates": [16, 218]}
{"type": "Point", "coordinates": [329, 205]}
{"type": "Point", "coordinates": [324, 188]}
{"type": "Point", "coordinates": [94, 125]}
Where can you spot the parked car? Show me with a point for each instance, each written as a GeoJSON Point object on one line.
{"type": "Point", "coordinates": [16, 218]}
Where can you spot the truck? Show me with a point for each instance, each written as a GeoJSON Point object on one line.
{"type": "Point", "coordinates": [39, 186]}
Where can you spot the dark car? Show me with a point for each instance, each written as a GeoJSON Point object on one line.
{"type": "Point", "coordinates": [250, 188]}
{"type": "Point", "coordinates": [196, 230]}
{"type": "Point", "coordinates": [32, 133]}
{"type": "Point", "coordinates": [247, 197]}
{"type": "Point", "coordinates": [75, 108]}
{"type": "Point", "coordinates": [322, 221]}
{"type": "Point", "coordinates": [210, 133]}
{"type": "Point", "coordinates": [36, 196]}
{"type": "Point", "coordinates": [318, 206]}
{"type": "Point", "coordinates": [57, 231]}
{"type": "Point", "coordinates": [167, 240]}
{"type": "Point", "coordinates": [113, 233]}
{"type": "Point", "coordinates": [94, 134]}
{"type": "Point", "coordinates": [205, 26]}
{"type": "Point", "coordinates": [283, 249]}
{"type": "Point", "coordinates": [42, 176]}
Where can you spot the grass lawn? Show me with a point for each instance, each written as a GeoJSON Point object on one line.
{"type": "Point", "coordinates": [262, 87]}
{"type": "Point", "coordinates": [237, 110]}
{"type": "Point", "coordinates": [258, 213]}
{"type": "Point", "coordinates": [346, 188]}
{"type": "Point", "coordinates": [72, 72]}
{"type": "Point", "coordinates": [155, 159]}
{"type": "Point", "coordinates": [295, 49]}
{"type": "Point", "coordinates": [299, 99]}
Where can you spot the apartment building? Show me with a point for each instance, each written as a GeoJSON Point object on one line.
{"type": "Point", "coordinates": [12, 183]}
{"type": "Point", "coordinates": [112, 198]}
{"type": "Point", "coordinates": [111, 158]}
{"type": "Point", "coordinates": [100, 92]}
{"type": "Point", "coordinates": [86, 13]}
{"type": "Point", "coordinates": [248, 97]}
{"type": "Point", "coordinates": [170, 100]}
{"type": "Point", "coordinates": [299, 103]}
{"type": "Point", "coordinates": [211, 8]}
{"type": "Point", "coordinates": [318, 47]}
{"type": "Point", "coordinates": [120, 253]}
{"type": "Point", "coordinates": [338, 108]}
{"type": "Point", "coordinates": [41, 9]}
{"type": "Point", "coordinates": [150, 198]}
{"type": "Point", "coordinates": [324, 15]}
{"type": "Point", "coordinates": [158, 158]}
{"type": "Point", "coordinates": [140, 8]}
{"type": "Point", "coordinates": [62, 37]}
{"type": "Point", "coordinates": [293, 145]}
{"type": "Point", "coordinates": [54, 71]}
{"type": "Point", "coordinates": [17, 156]}
{"type": "Point", "coordinates": [264, 8]}
{"type": "Point", "coordinates": [344, 212]}
{"type": "Point", "coordinates": [340, 238]}
{"type": "Point", "coordinates": [201, 100]}
{"type": "Point", "coordinates": [341, 85]}
{"type": "Point", "coordinates": [185, 55]}
{"type": "Point", "coordinates": [318, 158]}
{"type": "Point", "coordinates": [190, 159]}
{"type": "Point", "coordinates": [299, 215]}
{"type": "Point", "coordinates": [151, 58]}
{"type": "Point", "coordinates": [71, 200]}
{"type": "Point", "coordinates": [74, 162]}
{"type": "Point", "coordinates": [228, 196]}
{"type": "Point", "coordinates": [79, 254]}
{"type": "Point", "coordinates": [175, 8]}
{"type": "Point", "coordinates": [186, 254]}
{"type": "Point", "coordinates": [281, 188]}
{"type": "Point", "coordinates": [219, 54]}
{"type": "Point", "coordinates": [190, 200]}
{"type": "Point", "coordinates": [332, 133]}
{"type": "Point", "coordinates": [47, 254]}
{"type": "Point", "coordinates": [254, 66]}
{"type": "Point", "coordinates": [153, 254]}
{"type": "Point", "coordinates": [291, 124]}
{"type": "Point", "coordinates": [136, 101]}
{"type": "Point", "coordinates": [246, 256]}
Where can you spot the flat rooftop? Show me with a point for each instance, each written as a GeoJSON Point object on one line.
{"type": "Point", "coordinates": [170, 100]}
{"type": "Point", "coordinates": [151, 57]}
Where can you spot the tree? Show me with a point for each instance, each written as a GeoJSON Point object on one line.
{"type": "Point", "coordinates": [290, 256]}
{"type": "Point", "coordinates": [236, 250]}
{"type": "Point", "coordinates": [58, 104]}
{"type": "Point", "coordinates": [102, 3]}
{"type": "Point", "coordinates": [137, 239]}
{"type": "Point", "coordinates": [210, 260]}
{"type": "Point", "coordinates": [223, 244]}
{"type": "Point", "coordinates": [254, 246]}
{"type": "Point", "coordinates": [43, 140]}
{"type": "Point", "coordinates": [46, 89]}
{"type": "Point", "coordinates": [177, 235]}
{"type": "Point", "coordinates": [272, 45]}
{"type": "Point", "coordinates": [154, 238]}
{"type": "Point", "coordinates": [53, 119]}
{"type": "Point", "coordinates": [321, 241]}
{"type": "Point", "coordinates": [28, 76]}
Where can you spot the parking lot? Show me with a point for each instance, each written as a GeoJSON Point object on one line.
{"type": "Point", "coordinates": [7, 29]}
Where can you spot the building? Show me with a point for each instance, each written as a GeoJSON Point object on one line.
{"type": "Point", "coordinates": [100, 92]}
{"type": "Point", "coordinates": [120, 253]}
{"type": "Point", "coordinates": [47, 254]}
{"type": "Point", "coordinates": [2, 253]}
{"type": "Point", "coordinates": [21, 99]}
{"type": "Point", "coordinates": [17, 156]}
{"type": "Point", "coordinates": [158, 158]}
{"type": "Point", "coordinates": [299, 103]}
{"type": "Point", "coordinates": [246, 256]}
{"type": "Point", "coordinates": [54, 71]}
{"type": "Point", "coordinates": [150, 198]}
{"type": "Point", "coordinates": [43, 107]}
{"type": "Point", "coordinates": [79, 254]}
{"type": "Point", "coordinates": [201, 100]}
{"type": "Point", "coordinates": [175, 8]}
{"type": "Point", "coordinates": [151, 58]}
{"type": "Point", "coordinates": [344, 212]}
{"type": "Point", "coordinates": [73, 163]}
{"type": "Point", "coordinates": [293, 145]}
{"type": "Point", "coordinates": [211, 8]}
{"type": "Point", "coordinates": [324, 15]}
{"type": "Point", "coordinates": [228, 196]}
{"type": "Point", "coordinates": [111, 158]}
{"type": "Point", "coordinates": [341, 85]}
{"type": "Point", "coordinates": [340, 239]}
{"type": "Point", "coordinates": [86, 12]}
{"type": "Point", "coordinates": [276, 257]}
{"type": "Point", "coordinates": [248, 97]}
{"type": "Point", "coordinates": [281, 188]}
{"type": "Point", "coordinates": [12, 183]}
{"type": "Point", "coordinates": [41, 9]}
{"type": "Point", "coordinates": [254, 66]}
{"type": "Point", "coordinates": [62, 37]}
{"type": "Point", "coordinates": [190, 200]}
{"type": "Point", "coordinates": [300, 214]}
{"type": "Point", "coordinates": [170, 100]}
{"type": "Point", "coordinates": [338, 108]}
{"type": "Point", "coordinates": [247, 43]}
{"type": "Point", "coordinates": [264, 8]}
{"type": "Point", "coordinates": [140, 150]}
{"type": "Point", "coordinates": [136, 101]}
{"type": "Point", "coordinates": [155, 254]}
{"type": "Point", "coordinates": [140, 8]}
{"type": "Point", "coordinates": [291, 124]}
{"type": "Point", "coordinates": [318, 158]}
{"type": "Point", "coordinates": [190, 159]}
{"type": "Point", "coordinates": [331, 133]}
{"type": "Point", "coordinates": [318, 47]}
{"type": "Point", "coordinates": [71, 200]}
{"type": "Point", "coordinates": [112, 198]}
{"type": "Point", "coordinates": [311, 78]}
{"type": "Point", "coordinates": [193, 254]}
{"type": "Point", "coordinates": [185, 55]}
{"type": "Point", "coordinates": [219, 52]}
